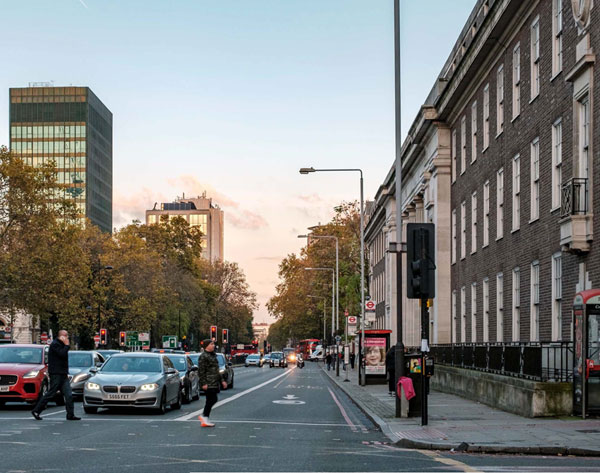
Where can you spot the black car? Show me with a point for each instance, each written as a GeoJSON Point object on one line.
{"type": "Point", "coordinates": [278, 359]}
{"type": "Point", "coordinates": [188, 376]}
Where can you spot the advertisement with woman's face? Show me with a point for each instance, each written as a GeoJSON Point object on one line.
{"type": "Point", "coordinates": [375, 356]}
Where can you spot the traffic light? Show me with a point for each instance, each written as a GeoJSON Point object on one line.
{"type": "Point", "coordinates": [122, 338]}
{"type": "Point", "coordinates": [420, 267]}
{"type": "Point", "coordinates": [213, 333]}
{"type": "Point", "coordinates": [184, 343]}
{"type": "Point", "coordinates": [225, 336]}
{"type": "Point", "coordinates": [103, 336]}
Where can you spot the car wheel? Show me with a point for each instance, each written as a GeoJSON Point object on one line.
{"type": "Point", "coordinates": [187, 394]}
{"type": "Point", "coordinates": [230, 386]}
{"type": "Point", "coordinates": [90, 410]}
{"type": "Point", "coordinates": [177, 405]}
{"type": "Point", "coordinates": [162, 409]}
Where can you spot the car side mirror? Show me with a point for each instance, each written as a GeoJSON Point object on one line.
{"type": "Point", "coordinates": [230, 364]}
{"type": "Point", "coordinates": [99, 363]}
{"type": "Point", "coordinates": [93, 370]}
{"type": "Point", "coordinates": [171, 371]}
{"type": "Point", "coordinates": [194, 368]}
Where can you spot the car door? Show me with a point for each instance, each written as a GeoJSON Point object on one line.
{"type": "Point", "coordinates": [171, 380]}
{"type": "Point", "coordinates": [193, 374]}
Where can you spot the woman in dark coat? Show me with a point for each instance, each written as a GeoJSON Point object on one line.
{"type": "Point", "coordinates": [210, 379]}
{"type": "Point", "coordinates": [390, 365]}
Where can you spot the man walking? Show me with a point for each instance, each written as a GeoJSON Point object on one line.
{"type": "Point", "coordinates": [352, 357]}
{"type": "Point", "coordinates": [328, 361]}
{"type": "Point", "coordinates": [210, 379]}
{"type": "Point", "coordinates": [390, 365]}
{"type": "Point", "coordinates": [58, 368]}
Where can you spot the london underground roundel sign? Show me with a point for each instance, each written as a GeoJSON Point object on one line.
{"type": "Point", "coordinates": [370, 305]}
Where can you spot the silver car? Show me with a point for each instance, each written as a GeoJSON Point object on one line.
{"type": "Point", "coordinates": [145, 380]}
{"type": "Point", "coordinates": [80, 364]}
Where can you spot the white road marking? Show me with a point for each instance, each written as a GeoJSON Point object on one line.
{"type": "Point", "coordinates": [233, 398]}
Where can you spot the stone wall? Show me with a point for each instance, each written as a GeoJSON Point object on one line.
{"type": "Point", "coordinates": [519, 396]}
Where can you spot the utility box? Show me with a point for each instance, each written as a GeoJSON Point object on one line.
{"type": "Point", "coordinates": [413, 370]}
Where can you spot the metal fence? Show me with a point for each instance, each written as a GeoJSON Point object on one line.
{"type": "Point", "coordinates": [574, 197]}
{"type": "Point", "coordinates": [539, 361]}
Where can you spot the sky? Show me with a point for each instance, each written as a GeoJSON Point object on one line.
{"type": "Point", "coordinates": [232, 97]}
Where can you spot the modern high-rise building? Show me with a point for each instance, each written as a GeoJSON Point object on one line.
{"type": "Point", "coordinates": [73, 128]}
{"type": "Point", "coordinates": [199, 212]}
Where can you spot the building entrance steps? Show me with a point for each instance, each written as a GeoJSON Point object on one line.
{"type": "Point", "coordinates": [460, 424]}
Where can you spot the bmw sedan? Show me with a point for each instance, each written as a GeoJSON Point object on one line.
{"type": "Point", "coordinates": [80, 364]}
{"type": "Point", "coordinates": [144, 380]}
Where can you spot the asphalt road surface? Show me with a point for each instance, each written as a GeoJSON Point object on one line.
{"type": "Point", "coordinates": [273, 420]}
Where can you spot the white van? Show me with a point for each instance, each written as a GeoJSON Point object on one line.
{"type": "Point", "coordinates": [317, 354]}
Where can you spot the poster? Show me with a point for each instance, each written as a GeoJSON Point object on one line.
{"type": "Point", "coordinates": [375, 355]}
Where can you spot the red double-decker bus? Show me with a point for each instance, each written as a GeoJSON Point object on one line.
{"type": "Point", "coordinates": [306, 347]}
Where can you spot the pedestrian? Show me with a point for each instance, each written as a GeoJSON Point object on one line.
{"type": "Point", "coordinates": [328, 361]}
{"type": "Point", "coordinates": [352, 357]}
{"type": "Point", "coordinates": [390, 365]}
{"type": "Point", "coordinates": [58, 369]}
{"type": "Point", "coordinates": [210, 380]}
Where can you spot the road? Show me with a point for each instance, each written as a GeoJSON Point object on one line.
{"type": "Point", "coordinates": [273, 420]}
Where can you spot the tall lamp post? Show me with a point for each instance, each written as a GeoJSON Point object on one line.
{"type": "Point", "coordinates": [324, 314]}
{"type": "Point", "coordinates": [361, 373]}
{"type": "Point", "coordinates": [337, 286]}
{"type": "Point", "coordinates": [104, 268]}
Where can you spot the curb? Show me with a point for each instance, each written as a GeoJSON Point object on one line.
{"type": "Point", "coordinates": [465, 447]}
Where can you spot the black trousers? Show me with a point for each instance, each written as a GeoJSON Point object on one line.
{"type": "Point", "coordinates": [211, 400]}
{"type": "Point", "coordinates": [58, 382]}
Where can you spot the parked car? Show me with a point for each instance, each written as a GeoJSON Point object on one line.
{"type": "Point", "coordinates": [106, 354]}
{"type": "Point", "coordinates": [278, 359]}
{"type": "Point", "coordinates": [254, 360]}
{"type": "Point", "coordinates": [226, 370]}
{"type": "Point", "coordinates": [80, 364]}
{"type": "Point", "coordinates": [23, 372]}
{"type": "Point", "coordinates": [144, 380]}
{"type": "Point", "coordinates": [188, 376]}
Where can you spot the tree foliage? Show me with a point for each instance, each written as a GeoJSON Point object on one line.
{"type": "Point", "coordinates": [142, 277]}
{"type": "Point", "coordinates": [302, 297]}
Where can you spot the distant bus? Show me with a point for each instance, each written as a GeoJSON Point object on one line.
{"type": "Point", "coordinates": [306, 347]}
{"type": "Point", "coordinates": [247, 350]}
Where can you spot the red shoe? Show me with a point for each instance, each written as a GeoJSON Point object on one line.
{"type": "Point", "coordinates": [204, 422]}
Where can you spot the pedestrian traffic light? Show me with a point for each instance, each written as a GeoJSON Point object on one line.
{"type": "Point", "coordinates": [225, 336]}
{"type": "Point", "coordinates": [213, 333]}
{"type": "Point", "coordinates": [420, 267]}
{"type": "Point", "coordinates": [103, 336]}
{"type": "Point", "coordinates": [122, 336]}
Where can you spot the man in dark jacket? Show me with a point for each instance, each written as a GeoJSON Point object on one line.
{"type": "Point", "coordinates": [390, 365]}
{"type": "Point", "coordinates": [210, 379]}
{"type": "Point", "coordinates": [58, 368]}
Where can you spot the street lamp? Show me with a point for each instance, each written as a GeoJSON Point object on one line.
{"type": "Point", "coordinates": [362, 260]}
{"type": "Point", "coordinates": [324, 314]}
{"type": "Point", "coordinates": [332, 290]}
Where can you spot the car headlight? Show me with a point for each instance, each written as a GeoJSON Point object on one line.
{"type": "Point", "coordinates": [31, 374]}
{"type": "Point", "coordinates": [80, 377]}
{"type": "Point", "coordinates": [222, 370]}
{"type": "Point", "coordinates": [149, 387]}
{"type": "Point", "coordinates": [93, 386]}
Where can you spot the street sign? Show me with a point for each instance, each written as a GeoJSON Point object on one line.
{"type": "Point", "coordinates": [370, 306]}
{"type": "Point", "coordinates": [96, 339]}
{"type": "Point", "coordinates": [44, 337]}
{"type": "Point", "coordinates": [138, 339]}
{"type": "Point", "coordinates": [169, 341]}
{"type": "Point", "coordinates": [370, 316]}
{"type": "Point", "coordinates": [144, 336]}
{"type": "Point", "coordinates": [352, 320]}
{"type": "Point", "coordinates": [346, 313]}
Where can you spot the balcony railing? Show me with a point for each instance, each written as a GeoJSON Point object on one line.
{"type": "Point", "coordinates": [538, 361]}
{"type": "Point", "coordinates": [574, 197]}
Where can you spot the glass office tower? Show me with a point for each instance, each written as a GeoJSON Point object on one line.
{"type": "Point", "coordinates": [73, 128]}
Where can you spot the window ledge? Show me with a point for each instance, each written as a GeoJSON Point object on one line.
{"type": "Point", "coordinates": [499, 134]}
{"type": "Point", "coordinates": [534, 220]}
{"type": "Point", "coordinates": [555, 75]}
{"type": "Point", "coordinates": [533, 98]}
{"type": "Point", "coordinates": [485, 149]}
{"type": "Point", "coordinates": [486, 245]}
{"type": "Point", "coordinates": [554, 209]}
{"type": "Point", "coordinates": [499, 238]}
{"type": "Point", "coordinates": [515, 230]}
{"type": "Point", "coordinates": [515, 117]}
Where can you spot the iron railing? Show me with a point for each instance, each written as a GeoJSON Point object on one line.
{"type": "Point", "coordinates": [539, 361]}
{"type": "Point", "coordinates": [574, 199]}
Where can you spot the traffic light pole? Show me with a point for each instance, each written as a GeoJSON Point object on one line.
{"type": "Point", "coordinates": [424, 350]}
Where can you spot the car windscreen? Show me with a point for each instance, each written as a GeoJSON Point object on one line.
{"type": "Point", "coordinates": [80, 360]}
{"type": "Point", "coordinates": [276, 356]}
{"type": "Point", "coordinates": [221, 359]}
{"type": "Point", "coordinates": [194, 358]}
{"type": "Point", "coordinates": [179, 362]}
{"type": "Point", "coordinates": [132, 364]}
{"type": "Point", "coordinates": [21, 355]}
{"type": "Point", "coordinates": [254, 357]}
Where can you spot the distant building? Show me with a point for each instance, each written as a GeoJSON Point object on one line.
{"type": "Point", "coordinates": [73, 128]}
{"type": "Point", "coordinates": [199, 212]}
{"type": "Point", "coordinates": [18, 328]}
{"type": "Point", "coordinates": [260, 331]}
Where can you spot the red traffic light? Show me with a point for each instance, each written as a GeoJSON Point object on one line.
{"type": "Point", "coordinates": [225, 336]}
{"type": "Point", "coordinates": [103, 336]}
{"type": "Point", "coordinates": [122, 336]}
{"type": "Point", "coordinates": [213, 332]}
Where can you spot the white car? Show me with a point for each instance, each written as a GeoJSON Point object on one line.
{"type": "Point", "coordinates": [253, 360]}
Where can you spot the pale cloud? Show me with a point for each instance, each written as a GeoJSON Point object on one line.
{"type": "Point", "coordinates": [311, 198]}
{"type": "Point", "coordinates": [246, 219]}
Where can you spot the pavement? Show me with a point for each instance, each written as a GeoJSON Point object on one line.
{"type": "Point", "coordinates": [462, 425]}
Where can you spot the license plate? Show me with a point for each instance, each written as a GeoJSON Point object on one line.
{"type": "Point", "coordinates": [4, 389]}
{"type": "Point", "coordinates": [118, 396]}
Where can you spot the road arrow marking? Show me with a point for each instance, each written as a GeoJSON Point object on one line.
{"type": "Point", "coordinates": [290, 396]}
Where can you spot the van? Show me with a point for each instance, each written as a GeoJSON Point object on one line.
{"type": "Point", "coordinates": [317, 354]}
